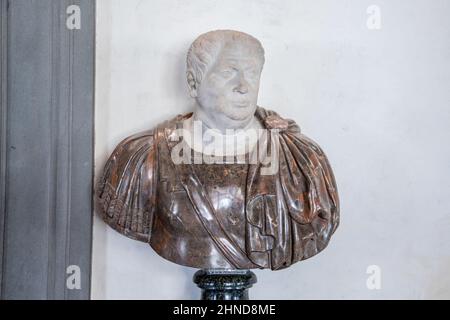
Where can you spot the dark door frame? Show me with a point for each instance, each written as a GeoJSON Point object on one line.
{"type": "Point", "coordinates": [46, 148]}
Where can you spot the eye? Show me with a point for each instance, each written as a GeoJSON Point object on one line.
{"type": "Point", "coordinates": [252, 73]}
{"type": "Point", "coordinates": [226, 73]}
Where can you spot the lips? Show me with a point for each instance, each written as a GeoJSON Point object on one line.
{"type": "Point", "coordinates": [241, 104]}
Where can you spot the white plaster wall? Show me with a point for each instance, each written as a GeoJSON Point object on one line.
{"type": "Point", "coordinates": [377, 101]}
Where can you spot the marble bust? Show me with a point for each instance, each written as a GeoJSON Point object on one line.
{"type": "Point", "coordinates": [250, 191]}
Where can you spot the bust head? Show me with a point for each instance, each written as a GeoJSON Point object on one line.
{"type": "Point", "coordinates": [223, 73]}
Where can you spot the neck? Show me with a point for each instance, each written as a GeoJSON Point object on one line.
{"type": "Point", "coordinates": [212, 141]}
{"type": "Point", "coordinates": [221, 123]}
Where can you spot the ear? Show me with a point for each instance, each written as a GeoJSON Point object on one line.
{"type": "Point", "coordinates": [192, 83]}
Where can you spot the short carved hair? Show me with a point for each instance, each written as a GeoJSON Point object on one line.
{"type": "Point", "coordinates": [205, 49]}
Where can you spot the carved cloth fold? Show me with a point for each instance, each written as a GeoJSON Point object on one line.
{"type": "Point", "coordinates": [292, 214]}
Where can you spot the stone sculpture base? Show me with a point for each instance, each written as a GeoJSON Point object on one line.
{"type": "Point", "coordinates": [224, 284]}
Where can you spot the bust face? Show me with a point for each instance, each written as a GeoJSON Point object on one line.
{"type": "Point", "coordinates": [230, 86]}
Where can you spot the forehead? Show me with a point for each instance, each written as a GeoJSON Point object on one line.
{"type": "Point", "coordinates": [239, 53]}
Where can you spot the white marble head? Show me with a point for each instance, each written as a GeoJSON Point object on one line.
{"type": "Point", "coordinates": [223, 72]}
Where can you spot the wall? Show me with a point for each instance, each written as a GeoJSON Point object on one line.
{"type": "Point", "coordinates": [377, 101]}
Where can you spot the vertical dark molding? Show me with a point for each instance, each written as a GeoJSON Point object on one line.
{"type": "Point", "coordinates": [3, 121]}
{"type": "Point", "coordinates": [46, 148]}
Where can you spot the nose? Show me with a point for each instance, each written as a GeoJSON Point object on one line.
{"type": "Point", "coordinates": [242, 85]}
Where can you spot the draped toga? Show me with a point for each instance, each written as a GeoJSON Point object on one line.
{"type": "Point", "coordinates": [222, 215]}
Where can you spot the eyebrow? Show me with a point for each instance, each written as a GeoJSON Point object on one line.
{"type": "Point", "coordinates": [234, 62]}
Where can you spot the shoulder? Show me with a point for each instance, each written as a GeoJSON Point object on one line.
{"type": "Point", "coordinates": [125, 185]}
{"type": "Point", "coordinates": [273, 121]}
{"type": "Point", "coordinates": [126, 191]}
{"type": "Point", "coordinates": [138, 146]}
{"type": "Point", "coordinates": [307, 152]}
{"type": "Point", "coordinates": [134, 143]}
{"type": "Point", "coordinates": [287, 127]}
{"type": "Point", "coordinates": [139, 149]}
{"type": "Point", "coordinates": [130, 156]}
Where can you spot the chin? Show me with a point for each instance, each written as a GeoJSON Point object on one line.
{"type": "Point", "coordinates": [240, 113]}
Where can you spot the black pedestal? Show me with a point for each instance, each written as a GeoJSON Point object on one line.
{"type": "Point", "coordinates": [223, 284]}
